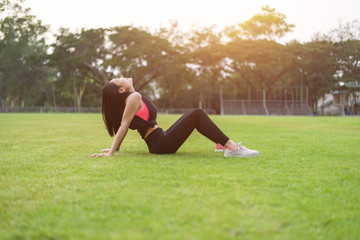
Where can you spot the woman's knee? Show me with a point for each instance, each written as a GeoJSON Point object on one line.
{"type": "Point", "coordinates": [199, 111]}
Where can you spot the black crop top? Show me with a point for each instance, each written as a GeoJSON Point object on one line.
{"type": "Point", "coordinates": [141, 125]}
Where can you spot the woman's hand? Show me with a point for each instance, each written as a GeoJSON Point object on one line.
{"type": "Point", "coordinates": [107, 154]}
{"type": "Point", "coordinates": [101, 155]}
{"type": "Point", "coordinates": [108, 150]}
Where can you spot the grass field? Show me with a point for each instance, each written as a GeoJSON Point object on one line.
{"type": "Point", "coordinates": [305, 184]}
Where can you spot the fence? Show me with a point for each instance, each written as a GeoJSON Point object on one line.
{"type": "Point", "coordinates": [291, 100]}
{"type": "Point", "coordinates": [51, 109]}
{"type": "Point", "coordinates": [260, 107]}
{"type": "Point", "coordinates": [87, 110]}
{"type": "Point", "coordinates": [181, 110]}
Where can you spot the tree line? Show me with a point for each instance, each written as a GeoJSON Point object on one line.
{"type": "Point", "coordinates": [176, 69]}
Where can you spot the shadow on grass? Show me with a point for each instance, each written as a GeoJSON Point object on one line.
{"type": "Point", "coordinates": [178, 155]}
{"type": "Point", "coordinates": [184, 157]}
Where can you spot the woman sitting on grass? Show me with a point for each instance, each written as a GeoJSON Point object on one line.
{"type": "Point", "coordinates": [123, 108]}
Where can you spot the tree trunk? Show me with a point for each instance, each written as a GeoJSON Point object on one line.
{"type": "Point", "coordinates": [74, 89]}
{"type": "Point", "coordinates": [79, 96]}
{"type": "Point", "coordinates": [201, 98]}
{"type": "Point", "coordinates": [11, 104]}
{"type": "Point", "coordinates": [53, 96]}
{"type": "Point", "coordinates": [21, 99]}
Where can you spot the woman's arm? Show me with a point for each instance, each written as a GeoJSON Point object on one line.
{"type": "Point", "coordinates": [133, 104]}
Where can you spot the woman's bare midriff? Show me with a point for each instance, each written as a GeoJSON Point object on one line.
{"type": "Point", "coordinates": [150, 130]}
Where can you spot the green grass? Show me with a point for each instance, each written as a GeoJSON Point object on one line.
{"type": "Point", "coordinates": [304, 185]}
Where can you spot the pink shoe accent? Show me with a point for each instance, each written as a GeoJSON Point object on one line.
{"type": "Point", "coordinates": [219, 148]}
{"type": "Point", "coordinates": [233, 148]}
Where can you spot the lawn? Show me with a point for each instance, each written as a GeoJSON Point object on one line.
{"type": "Point", "coordinates": [305, 184]}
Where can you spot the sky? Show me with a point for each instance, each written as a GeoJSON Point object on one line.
{"type": "Point", "coordinates": [309, 16]}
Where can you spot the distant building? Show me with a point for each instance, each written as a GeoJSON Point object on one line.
{"type": "Point", "coordinates": [344, 100]}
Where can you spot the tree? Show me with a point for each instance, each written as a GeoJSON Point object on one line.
{"type": "Point", "coordinates": [22, 55]}
{"type": "Point", "coordinates": [316, 66]}
{"type": "Point", "coordinates": [258, 64]}
{"type": "Point", "coordinates": [207, 54]}
{"type": "Point", "coordinates": [255, 60]}
{"type": "Point", "coordinates": [177, 84]}
{"type": "Point", "coordinates": [79, 61]}
{"type": "Point", "coordinates": [266, 25]}
{"type": "Point", "coordinates": [348, 56]}
{"type": "Point", "coordinates": [138, 54]}
{"type": "Point", "coordinates": [346, 39]}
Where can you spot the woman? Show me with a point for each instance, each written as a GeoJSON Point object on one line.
{"type": "Point", "coordinates": [124, 108]}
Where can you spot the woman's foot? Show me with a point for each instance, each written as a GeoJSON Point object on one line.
{"type": "Point", "coordinates": [240, 151]}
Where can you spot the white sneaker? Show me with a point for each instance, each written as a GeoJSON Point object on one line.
{"type": "Point", "coordinates": [240, 151]}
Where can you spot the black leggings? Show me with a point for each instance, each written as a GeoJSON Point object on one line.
{"type": "Point", "coordinates": [168, 142]}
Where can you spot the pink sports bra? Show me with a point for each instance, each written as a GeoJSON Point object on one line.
{"type": "Point", "coordinates": [143, 112]}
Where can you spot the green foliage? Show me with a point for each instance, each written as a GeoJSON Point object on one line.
{"type": "Point", "coordinates": [78, 59]}
{"type": "Point", "coordinates": [268, 25]}
{"type": "Point", "coordinates": [316, 66]}
{"type": "Point", "coordinates": [207, 61]}
{"type": "Point", "coordinates": [348, 53]}
{"type": "Point", "coordinates": [176, 69]}
{"type": "Point", "coordinates": [23, 57]}
{"type": "Point", "coordinates": [304, 184]}
{"type": "Point", "coordinates": [259, 63]}
{"type": "Point", "coordinates": [138, 54]}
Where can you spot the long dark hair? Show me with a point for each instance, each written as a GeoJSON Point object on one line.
{"type": "Point", "coordinates": [113, 105]}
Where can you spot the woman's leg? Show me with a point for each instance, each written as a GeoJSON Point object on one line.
{"type": "Point", "coordinates": [197, 119]}
{"type": "Point", "coordinates": [180, 119]}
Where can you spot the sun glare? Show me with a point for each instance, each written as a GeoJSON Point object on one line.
{"type": "Point", "coordinates": [308, 16]}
